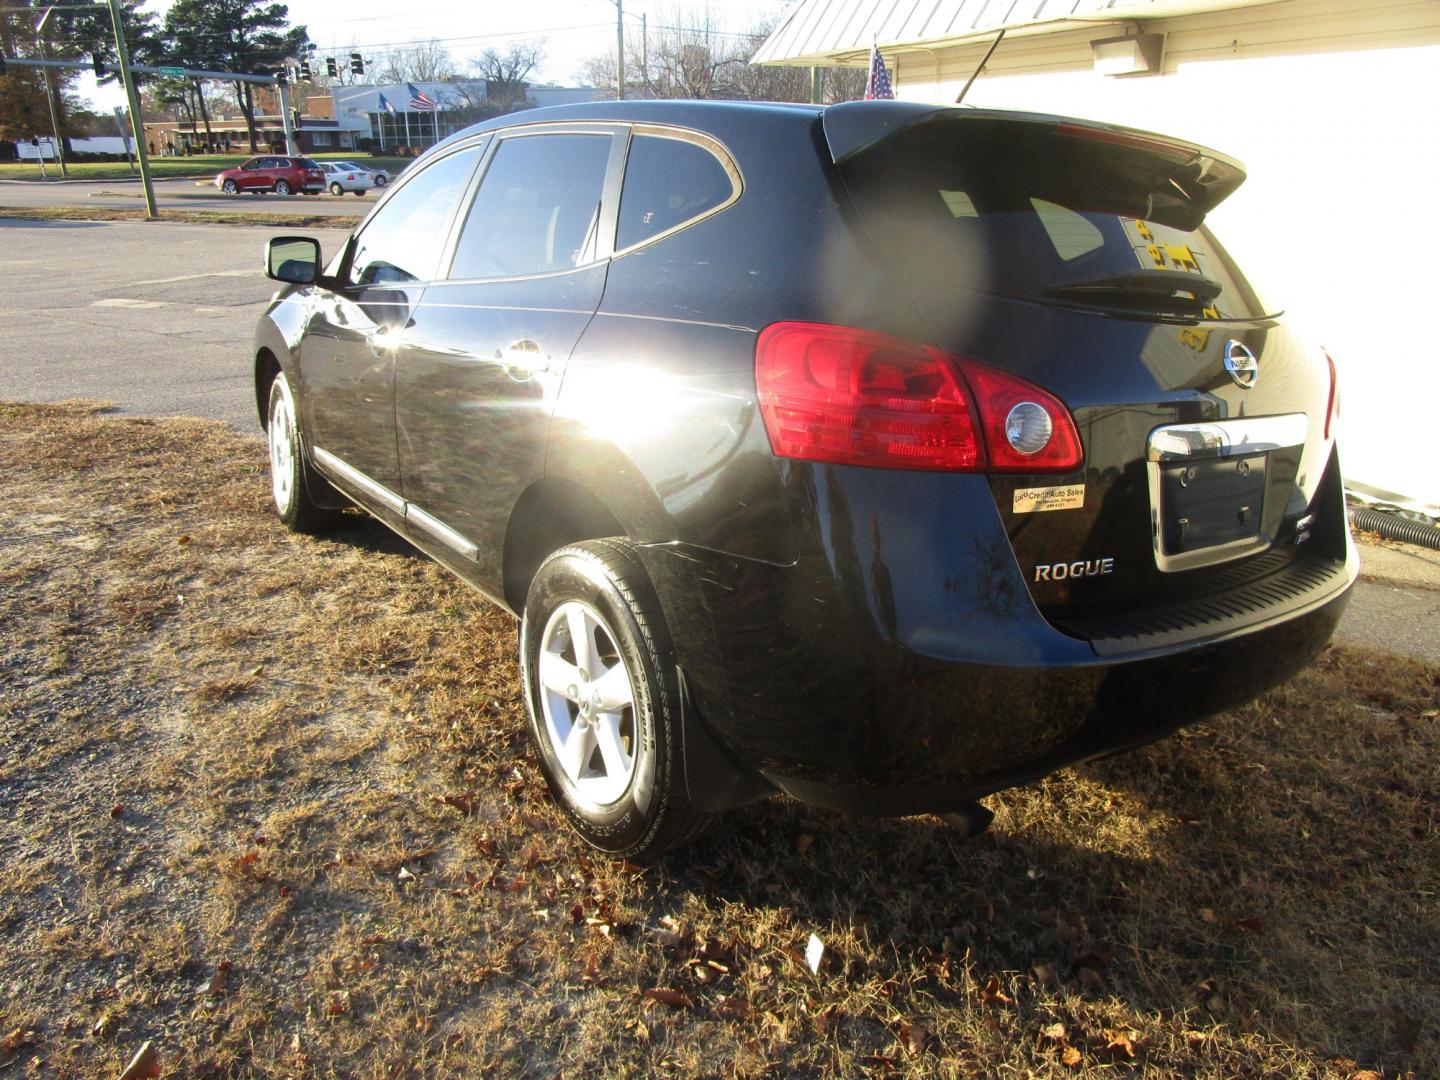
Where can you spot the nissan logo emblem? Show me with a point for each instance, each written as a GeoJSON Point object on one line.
{"type": "Point", "coordinates": [1240, 362]}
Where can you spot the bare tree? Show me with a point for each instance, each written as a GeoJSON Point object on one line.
{"type": "Point", "coordinates": [692, 58]}
{"type": "Point", "coordinates": [505, 73]}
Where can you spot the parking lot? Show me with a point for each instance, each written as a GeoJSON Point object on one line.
{"type": "Point", "coordinates": [155, 317]}
{"type": "Point", "coordinates": [174, 195]}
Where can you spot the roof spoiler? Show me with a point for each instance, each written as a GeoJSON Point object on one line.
{"type": "Point", "coordinates": [1199, 179]}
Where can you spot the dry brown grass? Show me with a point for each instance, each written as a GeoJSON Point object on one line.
{"type": "Point", "coordinates": [267, 801]}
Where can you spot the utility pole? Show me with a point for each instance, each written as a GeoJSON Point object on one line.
{"type": "Point", "coordinates": [136, 124]}
{"type": "Point", "coordinates": [619, 50]}
{"type": "Point", "coordinates": [50, 93]}
{"type": "Point", "coordinates": [282, 97]}
{"type": "Point", "coordinates": [645, 53]}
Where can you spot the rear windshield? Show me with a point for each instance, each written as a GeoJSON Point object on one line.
{"type": "Point", "coordinates": [309, 163]}
{"type": "Point", "coordinates": [1019, 210]}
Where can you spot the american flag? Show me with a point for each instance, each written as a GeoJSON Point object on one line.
{"type": "Point", "coordinates": [420, 100]}
{"type": "Point", "coordinates": [878, 84]}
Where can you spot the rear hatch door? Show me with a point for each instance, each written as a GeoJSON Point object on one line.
{"type": "Point", "coordinates": [1076, 256]}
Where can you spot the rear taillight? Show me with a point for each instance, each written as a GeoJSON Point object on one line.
{"type": "Point", "coordinates": [1332, 403]}
{"type": "Point", "coordinates": [855, 397]}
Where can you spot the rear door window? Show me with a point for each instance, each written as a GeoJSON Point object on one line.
{"type": "Point", "coordinates": [403, 241]}
{"type": "Point", "coordinates": [538, 207]}
{"type": "Point", "coordinates": [668, 182]}
{"type": "Point", "coordinates": [1015, 209]}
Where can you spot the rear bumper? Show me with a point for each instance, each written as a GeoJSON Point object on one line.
{"type": "Point", "coordinates": [917, 675]}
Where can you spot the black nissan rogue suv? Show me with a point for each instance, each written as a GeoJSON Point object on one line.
{"type": "Point", "coordinates": [883, 454]}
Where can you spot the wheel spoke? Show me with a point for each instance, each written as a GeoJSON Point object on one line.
{"type": "Point", "coordinates": [617, 761]}
{"type": "Point", "coordinates": [614, 689]}
{"type": "Point", "coordinates": [559, 675]}
{"type": "Point", "coordinates": [581, 639]}
{"type": "Point", "coordinates": [575, 750]}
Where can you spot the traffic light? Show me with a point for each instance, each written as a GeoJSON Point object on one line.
{"type": "Point", "coordinates": [305, 70]}
{"type": "Point", "coordinates": [100, 69]}
{"type": "Point", "coordinates": [332, 69]}
{"type": "Point", "coordinates": [2, 65]}
{"type": "Point", "coordinates": [357, 64]}
{"type": "Point", "coordinates": [282, 76]}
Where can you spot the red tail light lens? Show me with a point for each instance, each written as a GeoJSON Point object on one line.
{"type": "Point", "coordinates": [1332, 403]}
{"type": "Point", "coordinates": [855, 397]}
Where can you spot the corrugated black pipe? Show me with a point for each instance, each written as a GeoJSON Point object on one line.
{"type": "Point", "coordinates": [1393, 527]}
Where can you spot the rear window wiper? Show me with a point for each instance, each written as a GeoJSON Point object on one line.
{"type": "Point", "coordinates": [1157, 290]}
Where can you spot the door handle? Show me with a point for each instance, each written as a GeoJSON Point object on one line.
{"type": "Point", "coordinates": [523, 359]}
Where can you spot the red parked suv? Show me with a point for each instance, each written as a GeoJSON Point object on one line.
{"type": "Point", "coordinates": [282, 175]}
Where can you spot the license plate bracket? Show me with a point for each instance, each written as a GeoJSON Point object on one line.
{"type": "Point", "coordinates": [1206, 504]}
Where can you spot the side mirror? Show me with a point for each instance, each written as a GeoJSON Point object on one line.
{"type": "Point", "coordinates": [293, 259]}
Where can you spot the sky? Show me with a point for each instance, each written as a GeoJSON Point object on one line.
{"type": "Point", "coordinates": [572, 31]}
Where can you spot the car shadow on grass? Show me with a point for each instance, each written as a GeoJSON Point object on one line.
{"type": "Point", "coordinates": [1249, 874]}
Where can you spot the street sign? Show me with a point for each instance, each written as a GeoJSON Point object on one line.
{"type": "Point", "coordinates": [172, 72]}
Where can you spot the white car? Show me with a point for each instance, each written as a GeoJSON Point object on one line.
{"type": "Point", "coordinates": [343, 176]}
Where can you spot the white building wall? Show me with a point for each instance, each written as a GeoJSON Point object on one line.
{"type": "Point", "coordinates": [1334, 107]}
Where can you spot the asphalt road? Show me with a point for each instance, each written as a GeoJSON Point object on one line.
{"type": "Point", "coordinates": [174, 195]}
{"type": "Point", "coordinates": [158, 318]}
{"type": "Point", "coordinates": [155, 317]}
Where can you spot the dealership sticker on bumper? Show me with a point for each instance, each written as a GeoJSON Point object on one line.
{"type": "Point", "coordinates": [1034, 500]}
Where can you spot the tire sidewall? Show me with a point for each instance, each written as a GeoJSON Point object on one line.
{"type": "Point", "coordinates": [282, 187]}
{"type": "Point", "coordinates": [336, 189]}
{"type": "Point", "coordinates": [576, 575]}
{"type": "Point", "coordinates": [230, 188]}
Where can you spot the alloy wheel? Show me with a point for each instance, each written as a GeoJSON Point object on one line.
{"type": "Point", "coordinates": [588, 703]}
{"type": "Point", "coordinates": [282, 450]}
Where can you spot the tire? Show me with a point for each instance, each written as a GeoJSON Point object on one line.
{"type": "Point", "coordinates": [288, 483]}
{"type": "Point", "coordinates": [381, 181]}
{"type": "Point", "coordinates": [618, 774]}
{"type": "Point", "coordinates": [336, 189]}
{"type": "Point", "coordinates": [282, 187]}
{"type": "Point", "coordinates": [230, 188]}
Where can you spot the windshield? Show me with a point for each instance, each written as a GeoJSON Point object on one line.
{"type": "Point", "coordinates": [1009, 209]}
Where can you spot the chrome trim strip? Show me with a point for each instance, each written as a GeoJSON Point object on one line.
{"type": "Point", "coordinates": [327, 462]}
{"type": "Point", "coordinates": [1226, 438]}
{"type": "Point", "coordinates": [440, 531]}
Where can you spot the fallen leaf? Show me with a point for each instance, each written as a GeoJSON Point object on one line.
{"type": "Point", "coordinates": [1207, 914]}
{"type": "Point", "coordinates": [104, 1027]}
{"type": "Point", "coordinates": [913, 1038]}
{"type": "Point", "coordinates": [219, 980]}
{"type": "Point", "coordinates": [1121, 1042]}
{"type": "Point", "coordinates": [143, 1065]}
{"type": "Point", "coordinates": [1253, 925]}
{"type": "Point", "coordinates": [992, 992]}
{"type": "Point", "coordinates": [16, 1040]}
{"type": "Point", "coordinates": [1366, 1074]}
{"type": "Point", "coordinates": [339, 1003]}
{"type": "Point", "coordinates": [1044, 974]}
{"type": "Point", "coordinates": [1055, 1032]}
{"type": "Point", "coordinates": [405, 875]}
{"type": "Point", "coordinates": [464, 803]}
{"type": "Point", "coordinates": [734, 1008]}
{"type": "Point", "coordinates": [117, 809]}
{"type": "Point", "coordinates": [803, 842]}
{"type": "Point", "coordinates": [1070, 1057]}
{"type": "Point", "coordinates": [673, 998]}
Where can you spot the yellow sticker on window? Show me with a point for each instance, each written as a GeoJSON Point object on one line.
{"type": "Point", "coordinates": [1036, 500]}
